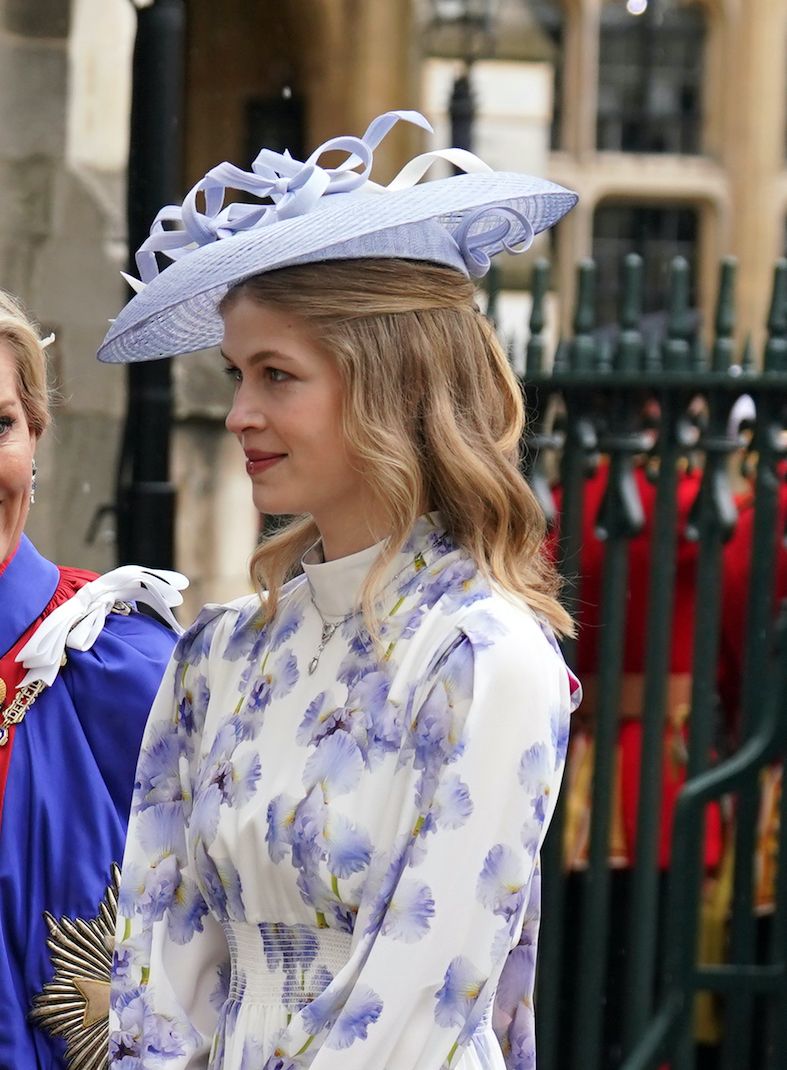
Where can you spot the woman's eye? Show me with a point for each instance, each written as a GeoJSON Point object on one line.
{"type": "Point", "coordinates": [276, 375]}
{"type": "Point", "coordinates": [6, 423]}
{"type": "Point", "coordinates": [232, 373]}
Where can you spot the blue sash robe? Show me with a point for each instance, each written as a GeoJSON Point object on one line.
{"type": "Point", "coordinates": [68, 793]}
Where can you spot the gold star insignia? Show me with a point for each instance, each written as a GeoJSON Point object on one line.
{"type": "Point", "coordinates": [75, 1003]}
{"type": "Point", "coordinates": [96, 997]}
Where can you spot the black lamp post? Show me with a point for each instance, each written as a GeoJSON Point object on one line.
{"type": "Point", "coordinates": [145, 498]}
{"type": "Point", "coordinates": [467, 29]}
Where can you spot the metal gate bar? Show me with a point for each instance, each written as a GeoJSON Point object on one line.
{"type": "Point", "coordinates": [600, 385]}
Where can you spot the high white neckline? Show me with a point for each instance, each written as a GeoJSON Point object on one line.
{"type": "Point", "coordinates": [336, 585]}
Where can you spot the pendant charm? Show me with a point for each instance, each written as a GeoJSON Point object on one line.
{"type": "Point", "coordinates": [328, 629]}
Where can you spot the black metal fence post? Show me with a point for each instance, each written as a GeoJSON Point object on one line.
{"type": "Point", "coordinates": [759, 644]}
{"type": "Point", "coordinates": [644, 901]}
{"type": "Point", "coordinates": [598, 383]}
{"type": "Point", "coordinates": [575, 444]}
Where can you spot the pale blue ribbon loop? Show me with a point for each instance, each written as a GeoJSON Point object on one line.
{"type": "Point", "coordinates": [511, 231]}
{"type": "Point", "coordinates": [290, 187]}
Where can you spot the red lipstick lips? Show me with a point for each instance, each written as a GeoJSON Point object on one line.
{"type": "Point", "coordinates": [260, 461]}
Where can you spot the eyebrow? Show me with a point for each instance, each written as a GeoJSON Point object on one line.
{"type": "Point", "coordinates": [263, 354]}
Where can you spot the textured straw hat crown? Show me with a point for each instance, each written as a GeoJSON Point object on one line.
{"type": "Point", "coordinates": [307, 213]}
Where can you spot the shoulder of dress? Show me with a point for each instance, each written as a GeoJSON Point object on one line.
{"type": "Point", "coordinates": [504, 607]}
{"type": "Point", "coordinates": [504, 624]}
{"type": "Point", "coordinates": [215, 619]}
{"type": "Point", "coordinates": [291, 586]}
{"type": "Point", "coordinates": [516, 643]}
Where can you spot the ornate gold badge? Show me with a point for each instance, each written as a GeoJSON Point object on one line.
{"type": "Point", "coordinates": [75, 1003]}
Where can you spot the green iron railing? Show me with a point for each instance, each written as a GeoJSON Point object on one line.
{"type": "Point", "coordinates": [599, 386]}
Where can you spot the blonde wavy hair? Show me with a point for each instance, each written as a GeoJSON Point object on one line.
{"type": "Point", "coordinates": [432, 412]}
{"type": "Point", "coordinates": [21, 335]}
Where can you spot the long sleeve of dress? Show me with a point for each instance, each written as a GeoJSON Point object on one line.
{"type": "Point", "coordinates": [170, 969]}
{"type": "Point", "coordinates": [485, 747]}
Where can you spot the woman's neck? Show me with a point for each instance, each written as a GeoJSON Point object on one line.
{"type": "Point", "coordinates": [341, 540]}
{"type": "Point", "coordinates": [352, 529]}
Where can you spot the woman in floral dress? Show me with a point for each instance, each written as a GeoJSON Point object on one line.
{"type": "Point", "coordinates": [347, 777]}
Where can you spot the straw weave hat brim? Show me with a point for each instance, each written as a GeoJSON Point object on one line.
{"type": "Point", "coordinates": [177, 312]}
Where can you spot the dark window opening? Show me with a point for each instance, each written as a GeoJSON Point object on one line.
{"type": "Point", "coordinates": [658, 233]}
{"type": "Point", "coordinates": [275, 123]}
{"type": "Point", "coordinates": [651, 69]}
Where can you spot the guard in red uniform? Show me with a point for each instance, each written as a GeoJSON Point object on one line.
{"type": "Point", "coordinates": [580, 761]}
{"type": "Point", "coordinates": [579, 767]}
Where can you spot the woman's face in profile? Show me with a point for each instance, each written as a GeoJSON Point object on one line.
{"type": "Point", "coordinates": [17, 446]}
{"type": "Point", "coordinates": [287, 414]}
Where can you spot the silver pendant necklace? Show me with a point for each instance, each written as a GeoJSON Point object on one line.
{"type": "Point", "coordinates": [330, 627]}
{"type": "Point", "coordinates": [328, 630]}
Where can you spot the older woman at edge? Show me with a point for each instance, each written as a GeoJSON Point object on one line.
{"type": "Point", "coordinates": [79, 667]}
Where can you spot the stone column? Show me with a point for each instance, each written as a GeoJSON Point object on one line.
{"type": "Point", "coordinates": [755, 151]}
{"type": "Point", "coordinates": [33, 71]}
{"type": "Point", "coordinates": [63, 111]}
{"type": "Point", "coordinates": [581, 21]}
{"type": "Point", "coordinates": [360, 59]}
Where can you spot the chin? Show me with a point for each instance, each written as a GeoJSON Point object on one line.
{"type": "Point", "coordinates": [274, 505]}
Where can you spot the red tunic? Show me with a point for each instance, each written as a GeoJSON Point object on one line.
{"type": "Point", "coordinates": [580, 762]}
{"type": "Point", "coordinates": [11, 672]}
{"type": "Point", "coordinates": [737, 574]}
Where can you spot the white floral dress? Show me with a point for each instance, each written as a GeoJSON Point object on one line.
{"type": "Point", "coordinates": [338, 868]}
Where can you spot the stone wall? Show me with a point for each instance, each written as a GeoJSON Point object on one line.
{"type": "Point", "coordinates": [64, 94]}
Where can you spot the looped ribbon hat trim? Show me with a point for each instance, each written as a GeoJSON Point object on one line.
{"type": "Point", "coordinates": [292, 189]}
{"type": "Point", "coordinates": [303, 212]}
{"type": "Point", "coordinates": [77, 623]}
{"type": "Point", "coordinates": [508, 229]}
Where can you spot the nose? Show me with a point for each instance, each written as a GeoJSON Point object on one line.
{"type": "Point", "coordinates": [244, 415]}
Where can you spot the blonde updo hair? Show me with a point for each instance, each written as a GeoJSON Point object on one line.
{"type": "Point", "coordinates": [432, 410]}
{"type": "Point", "coordinates": [21, 335]}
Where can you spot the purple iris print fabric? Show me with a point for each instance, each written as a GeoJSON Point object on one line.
{"type": "Point", "coordinates": [339, 869]}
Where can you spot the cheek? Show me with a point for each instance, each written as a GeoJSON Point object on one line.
{"type": "Point", "coordinates": [338, 467]}
{"type": "Point", "coordinates": [16, 466]}
{"type": "Point", "coordinates": [16, 477]}
{"type": "Point", "coordinates": [319, 425]}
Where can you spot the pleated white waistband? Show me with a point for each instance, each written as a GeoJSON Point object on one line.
{"type": "Point", "coordinates": [283, 965]}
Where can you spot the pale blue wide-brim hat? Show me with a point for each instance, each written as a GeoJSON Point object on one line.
{"type": "Point", "coordinates": [306, 214]}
